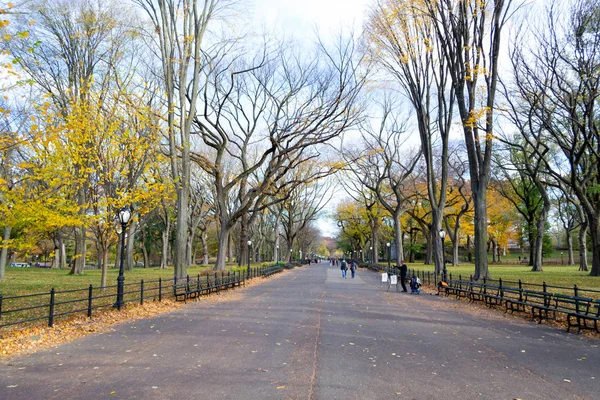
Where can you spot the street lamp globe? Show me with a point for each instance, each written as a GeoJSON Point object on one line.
{"type": "Point", "coordinates": [442, 233]}
{"type": "Point", "coordinates": [124, 215]}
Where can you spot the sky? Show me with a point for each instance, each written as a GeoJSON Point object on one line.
{"type": "Point", "coordinates": [301, 20]}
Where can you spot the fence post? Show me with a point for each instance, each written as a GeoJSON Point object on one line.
{"type": "Point", "coordinates": [0, 308]}
{"type": "Point", "coordinates": [90, 294]}
{"type": "Point", "coordinates": [51, 314]}
{"type": "Point", "coordinates": [159, 289]}
{"type": "Point", "coordinates": [142, 292]}
{"type": "Point", "coordinates": [575, 290]}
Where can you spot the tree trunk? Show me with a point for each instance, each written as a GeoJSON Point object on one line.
{"type": "Point", "coordinates": [398, 233]}
{"type": "Point", "coordinates": [189, 251]}
{"type": "Point", "coordinates": [228, 248]}
{"type": "Point", "coordinates": [80, 251]}
{"type": "Point", "coordinates": [480, 222]}
{"type": "Point", "coordinates": [276, 233]}
{"type": "Point", "coordinates": [531, 239]}
{"type": "Point", "coordinates": [4, 251]}
{"type": "Point", "coordinates": [104, 267]}
{"type": "Point", "coordinates": [130, 244]}
{"type": "Point", "coordinates": [224, 241]}
{"type": "Point", "coordinates": [429, 254]}
{"type": "Point", "coordinates": [594, 224]}
{"type": "Point", "coordinates": [570, 247]}
{"type": "Point", "coordinates": [436, 240]}
{"type": "Point", "coordinates": [244, 237]}
{"type": "Point", "coordinates": [165, 244]}
{"type": "Point", "coordinates": [203, 238]}
{"type": "Point", "coordinates": [181, 235]}
{"type": "Point", "coordinates": [63, 253]}
{"type": "Point", "coordinates": [375, 236]}
{"type": "Point", "coordinates": [145, 255]}
{"type": "Point", "coordinates": [539, 243]}
{"type": "Point", "coordinates": [493, 245]}
{"type": "Point", "coordinates": [583, 263]}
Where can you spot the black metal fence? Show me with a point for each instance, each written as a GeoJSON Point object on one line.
{"type": "Point", "coordinates": [431, 279]}
{"type": "Point", "coordinates": [49, 306]}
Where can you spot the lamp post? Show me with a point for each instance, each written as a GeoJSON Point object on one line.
{"type": "Point", "coordinates": [389, 249]}
{"type": "Point", "coordinates": [249, 245]}
{"type": "Point", "coordinates": [277, 255]}
{"type": "Point", "coordinates": [561, 259]}
{"type": "Point", "coordinates": [444, 272]}
{"type": "Point", "coordinates": [371, 254]}
{"type": "Point", "coordinates": [124, 216]}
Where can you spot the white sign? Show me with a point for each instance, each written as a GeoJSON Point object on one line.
{"type": "Point", "coordinates": [384, 277]}
{"type": "Point", "coordinates": [393, 280]}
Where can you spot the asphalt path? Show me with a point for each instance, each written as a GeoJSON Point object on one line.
{"type": "Point", "coordinates": [309, 334]}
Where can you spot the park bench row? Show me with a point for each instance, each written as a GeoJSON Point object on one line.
{"type": "Point", "coordinates": [190, 288]}
{"type": "Point", "coordinates": [581, 312]}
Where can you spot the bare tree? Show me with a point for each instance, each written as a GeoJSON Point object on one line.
{"type": "Point", "coordinates": [469, 33]}
{"type": "Point", "coordinates": [382, 163]}
{"type": "Point", "coordinates": [265, 117]}
{"type": "Point", "coordinates": [407, 46]}
{"type": "Point", "coordinates": [555, 75]}
{"type": "Point", "coordinates": [178, 29]}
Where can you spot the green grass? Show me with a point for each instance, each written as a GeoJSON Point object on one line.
{"type": "Point", "coordinates": [72, 291]}
{"type": "Point", "coordinates": [20, 281]}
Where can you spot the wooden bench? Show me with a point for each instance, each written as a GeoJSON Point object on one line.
{"type": "Point", "coordinates": [580, 317]}
{"type": "Point", "coordinates": [458, 288]}
{"type": "Point", "coordinates": [481, 292]}
{"type": "Point", "coordinates": [188, 289]}
{"type": "Point", "coordinates": [271, 271]}
{"type": "Point", "coordinates": [532, 298]}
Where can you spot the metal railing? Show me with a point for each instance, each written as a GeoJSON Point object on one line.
{"type": "Point", "coordinates": [431, 279]}
{"type": "Point", "coordinates": [48, 306]}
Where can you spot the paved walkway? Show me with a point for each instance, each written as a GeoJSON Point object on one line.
{"type": "Point", "coordinates": [309, 334]}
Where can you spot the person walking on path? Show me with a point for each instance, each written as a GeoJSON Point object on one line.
{"type": "Point", "coordinates": [353, 267]}
{"type": "Point", "coordinates": [403, 274]}
{"type": "Point", "coordinates": [344, 267]}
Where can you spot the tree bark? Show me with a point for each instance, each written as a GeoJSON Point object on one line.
{"type": "Point", "coordinates": [130, 244]}
{"type": "Point", "coordinates": [80, 251]}
{"type": "Point", "coordinates": [583, 262]}
{"type": "Point", "coordinates": [104, 268]}
{"type": "Point", "coordinates": [4, 251]}
{"type": "Point", "coordinates": [224, 241]}
{"type": "Point", "coordinates": [571, 260]}
{"type": "Point", "coordinates": [165, 243]}
{"type": "Point", "coordinates": [204, 240]}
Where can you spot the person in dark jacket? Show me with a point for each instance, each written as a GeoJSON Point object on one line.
{"type": "Point", "coordinates": [353, 267]}
{"type": "Point", "coordinates": [403, 275]}
{"type": "Point", "coordinates": [344, 268]}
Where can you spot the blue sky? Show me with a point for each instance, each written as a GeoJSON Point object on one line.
{"type": "Point", "coordinates": [300, 18]}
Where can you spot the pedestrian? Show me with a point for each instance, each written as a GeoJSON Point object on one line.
{"type": "Point", "coordinates": [344, 268]}
{"type": "Point", "coordinates": [403, 274]}
{"type": "Point", "coordinates": [353, 268]}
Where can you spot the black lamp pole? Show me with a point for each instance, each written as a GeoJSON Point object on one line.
{"type": "Point", "coordinates": [124, 215]}
{"type": "Point", "coordinates": [444, 271]}
{"type": "Point", "coordinates": [248, 273]}
{"type": "Point", "coordinates": [277, 254]}
{"type": "Point", "coordinates": [389, 254]}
